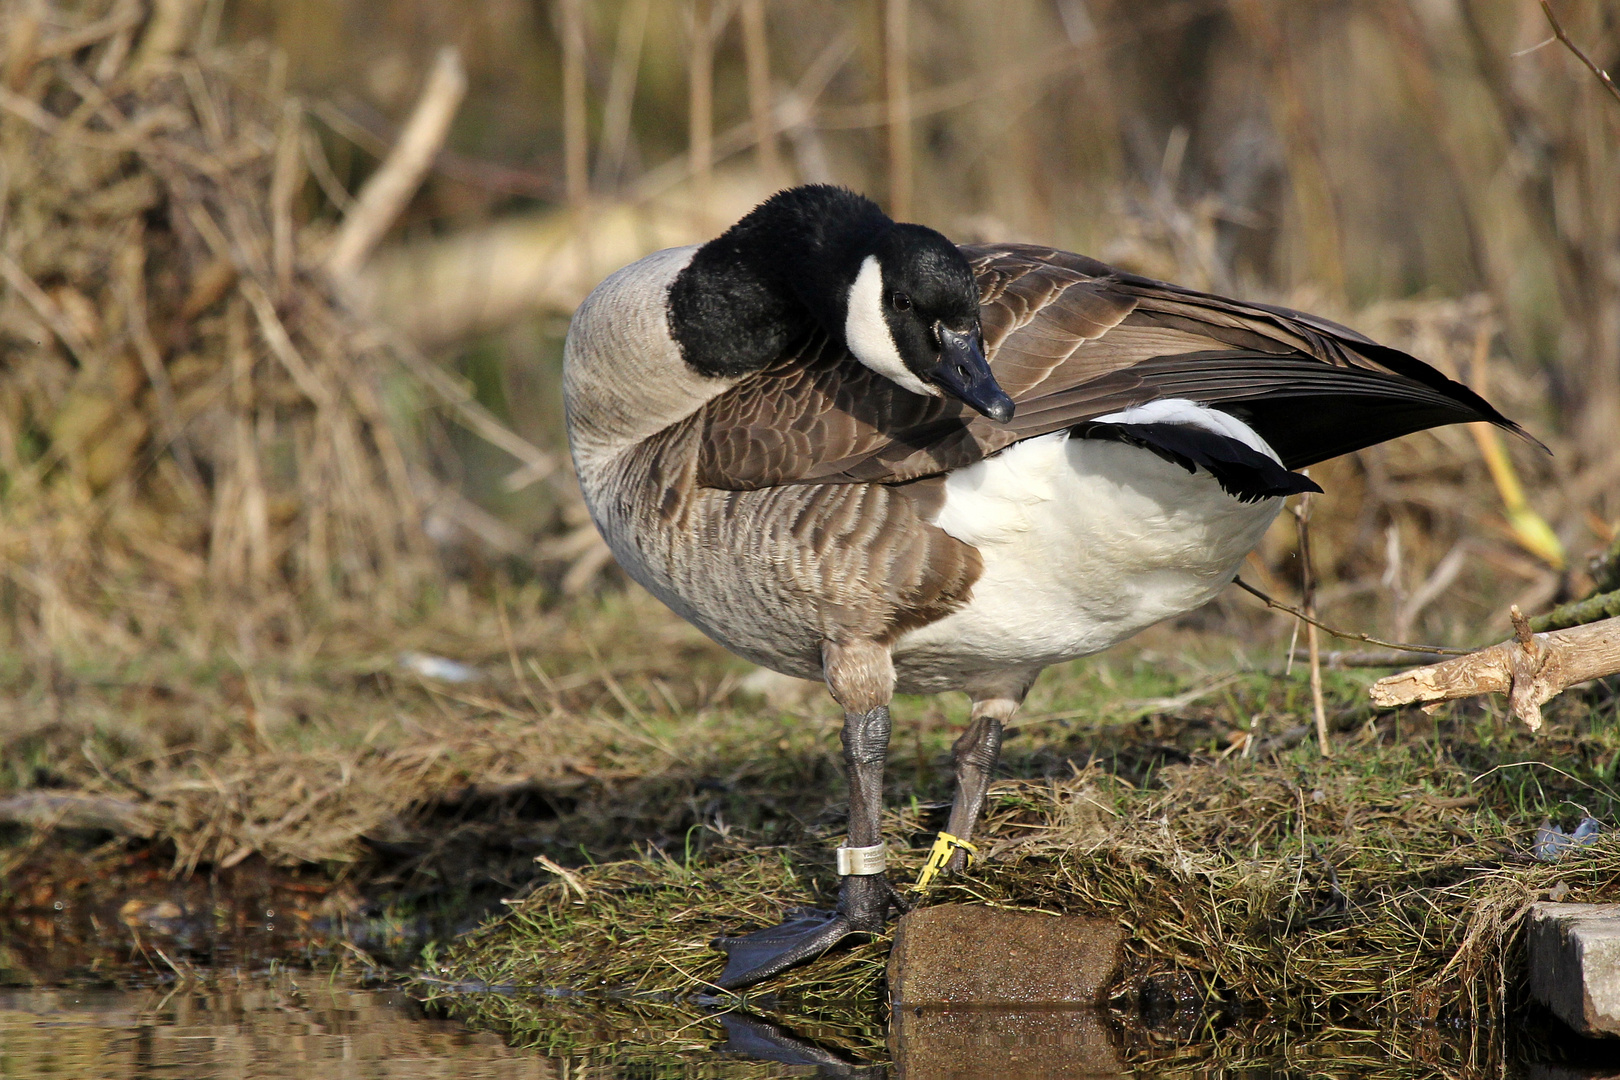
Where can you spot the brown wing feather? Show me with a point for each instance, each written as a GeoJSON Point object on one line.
{"type": "Point", "coordinates": [1071, 339]}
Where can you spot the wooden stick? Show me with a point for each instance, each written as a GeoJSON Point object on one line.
{"type": "Point", "coordinates": [897, 106]}
{"type": "Point", "coordinates": [286, 177]}
{"type": "Point", "coordinates": [1531, 669]}
{"type": "Point", "coordinates": [575, 169]}
{"type": "Point", "coordinates": [621, 93]}
{"type": "Point", "coordinates": [124, 16]}
{"type": "Point", "coordinates": [130, 286]}
{"type": "Point", "coordinates": [46, 309]}
{"type": "Point", "coordinates": [757, 56]}
{"type": "Point", "coordinates": [168, 31]}
{"type": "Point", "coordinates": [1307, 588]}
{"type": "Point", "coordinates": [396, 179]}
{"type": "Point", "coordinates": [576, 151]}
{"type": "Point", "coordinates": [22, 50]}
{"type": "Point", "coordinates": [700, 109]}
{"type": "Point", "coordinates": [1529, 528]}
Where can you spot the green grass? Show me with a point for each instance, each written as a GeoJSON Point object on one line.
{"type": "Point", "coordinates": [1382, 889]}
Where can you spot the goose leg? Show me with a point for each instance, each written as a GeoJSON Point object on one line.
{"type": "Point", "coordinates": [863, 897]}
{"type": "Point", "coordinates": [976, 753]}
{"type": "Point", "coordinates": [862, 679]}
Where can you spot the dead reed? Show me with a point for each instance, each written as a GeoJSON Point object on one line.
{"type": "Point", "coordinates": [196, 437]}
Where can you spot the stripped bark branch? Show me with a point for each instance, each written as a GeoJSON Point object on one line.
{"type": "Point", "coordinates": [1530, 669]}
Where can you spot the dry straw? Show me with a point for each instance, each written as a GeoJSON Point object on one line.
{"type": "Point", "coordinates": [194, 433]}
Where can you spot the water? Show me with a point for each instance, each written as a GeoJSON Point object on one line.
{"type": "Point", "coordinates": [284, 1030]}
{"type": "Point", "coordinates": [301, 1028]}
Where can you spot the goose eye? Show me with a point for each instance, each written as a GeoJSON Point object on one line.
{"type": "Point", "coordinates": [901, 301]}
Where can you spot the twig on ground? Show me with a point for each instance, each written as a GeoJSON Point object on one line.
{"type": "Point", "coordinates": [569, 878]}
{"type": "Point", "coordinates": [1348, 635]}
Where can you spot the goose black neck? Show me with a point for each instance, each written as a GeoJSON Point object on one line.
{"type": "Point", "coordinates": [775, 277]}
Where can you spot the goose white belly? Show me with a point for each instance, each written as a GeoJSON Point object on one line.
{"type": "Point", "coordinates": [1085, 542]}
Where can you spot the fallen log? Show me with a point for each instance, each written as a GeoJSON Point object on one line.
{"type": "Point", "coordinates": [47, 810]}
{"type": "Point", "coordinates": [1530, 668]}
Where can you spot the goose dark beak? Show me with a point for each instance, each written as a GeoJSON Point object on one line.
{"type": "Point", "coordinates": [964, 373]}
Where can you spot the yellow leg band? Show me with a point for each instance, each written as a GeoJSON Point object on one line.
{"type": "Point", "coordinates": [939, 855]}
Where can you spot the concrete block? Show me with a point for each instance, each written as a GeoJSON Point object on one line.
{"type": "Point", "coordinates": [964, 954]}
{"type": "Point", "coordinates": [1574, 954]}
{"type": "Point", "coordinates": [971, 1042]}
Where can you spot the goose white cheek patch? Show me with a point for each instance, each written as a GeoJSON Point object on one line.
{"type": "Point", "coordinates": [868, 335]}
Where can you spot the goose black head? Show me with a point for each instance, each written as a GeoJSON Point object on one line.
{"type": "Point", "coordinates": [912, 316]}
{"type": "Point", "coordinates": [902, 298]}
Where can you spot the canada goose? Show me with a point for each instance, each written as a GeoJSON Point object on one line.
{"type": "Point", "coordinates": [776, 434]}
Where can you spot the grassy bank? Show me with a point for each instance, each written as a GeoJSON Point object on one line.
{"type": "Point", "coordinates": [1171, 784]}
{"type": "Point", "coordinates": [1379, 890]}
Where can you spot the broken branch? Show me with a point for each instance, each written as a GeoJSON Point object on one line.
{"type": "Point", "coordinates": [1530, 672]}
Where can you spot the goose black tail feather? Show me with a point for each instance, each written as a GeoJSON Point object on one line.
{"type": "Point", "coordinates": [1308, 411]}
{"type": "Point", "coordinates": [1243, 472]}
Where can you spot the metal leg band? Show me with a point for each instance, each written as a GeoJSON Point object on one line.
{"type": "Point", "coordinates": [862, 861]}
{"type": "Point", "coordinates": [939, 855]}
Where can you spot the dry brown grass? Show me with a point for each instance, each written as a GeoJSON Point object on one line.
{"type": "Point", "coordinates": [300, 762]}
{"type": "Point", "coordinates": [196, 438]}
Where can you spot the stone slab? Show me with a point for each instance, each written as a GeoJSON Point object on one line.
{"type": "Point", "coordinates": [973, 1042]}
{"type": "Point", "coordinates": [965, 954]}
{"type": "Point", "coordinates": [1574, 955]}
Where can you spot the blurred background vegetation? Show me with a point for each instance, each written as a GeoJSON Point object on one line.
{"type": "Point", "coordinates": [1362, 150]}
{"type": "Point", "coordinates": [1442, 173]}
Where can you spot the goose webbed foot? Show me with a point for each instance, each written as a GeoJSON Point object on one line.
{"type": "Point", "coordinates": [863, 905]}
